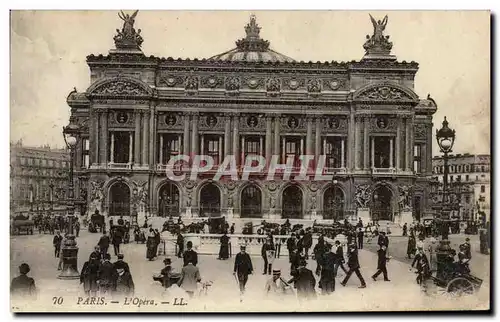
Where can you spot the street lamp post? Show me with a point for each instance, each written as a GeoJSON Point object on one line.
{"type": "Point", "coordinates": [31, 198]}
{"type": "Point", "coordinates": [51, 197]}
{"type": "Point", "coordinates": [445, 138]}
{"type": "Point", "coordinates": [70, 249]}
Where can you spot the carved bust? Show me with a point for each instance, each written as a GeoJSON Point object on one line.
{"type": "Point", "coordinates": [170, 120]}
{"type": "Point", "coordinates": [333, 123]}
{"type": "Point", "coordinates": [122, 117]}
{"type": "Point", "coordinates": [293, 122]}
{"type": "Point", "coordinates": [211, 121]}
{"type": "Point", "coordinates": [252, 121]}
{"type": "Point", "coordinates": [382, 122]}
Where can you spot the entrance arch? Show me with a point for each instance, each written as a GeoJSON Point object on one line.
{"type": "Point", "coordinates": [291, 203]}
{"type": "Point", "coordinates": [210, 201]}
{"type": "Point", "coordinates": [333, 203]}
{"type": "Point", "coordinates": [251, 202]}
{"type": "Point", "coordinates": [119, 199]}
{"type": "Point", "coordinates": [168, 200]}
{"type": "Point", "coordinates": [382, 203]}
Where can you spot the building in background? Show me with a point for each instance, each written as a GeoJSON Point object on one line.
{"type": "Point", "coordinates": [469, 175]}
{"type": "Point", "coordinates": [140, 111]}
{"type": "Point", "coordinates": [39, 177]}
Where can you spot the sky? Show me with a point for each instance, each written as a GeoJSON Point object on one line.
{"type": "Point", "coordinates": [49, 49]}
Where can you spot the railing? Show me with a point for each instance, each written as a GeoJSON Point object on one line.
{"type": "Point", "coordinates": [383, 170]}
{"type": "Point", "coordinates": [330, 170]}
{"type": "Point", "coordinates": [120, 166]}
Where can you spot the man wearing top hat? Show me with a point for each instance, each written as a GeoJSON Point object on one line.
{"type": "Point", "coordinates": [22, 285]}
{"type": "Point", "coordinates": [242, 268]}
{"type": "Point", "coordinates": [120, 263]}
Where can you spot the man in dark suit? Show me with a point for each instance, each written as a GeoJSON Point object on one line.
{"type": "Point", "coordinates": [381, 264]}
{"type": "Point", "coordinates": [190, 255]}
{"type": "Point", "coordinates": [57, 241]}
{"type": "Point", "coordinates": [190, 276]}
{"type": "Point", "coordinates": [327, 261]}
{"type": "Point", "coordinates": [266, 248]}
{"type": "Point", "coordinates": [304, 282]}
{"type": "Point", "coordinates": [361, 235]}
{"type": "Point", "coordinates": [353, 263]}
{"type": "Point", "coordinates": [103, 243]}
{"type": "Point", "coordinates": [180, 244]}
{"type": "Point", "coordinates": [117, 240]}
{"type": "Point", "coordinates": [23, 286]}
{"type": "Point", "coordinates": [107, 275]}
{"type": "Point", "coordinates": [120, 263]}
{"type": "Point", "coordinates": [307, 242]}
{"type": "Point", "coordinates": [291, 244]}
{"type": "Point", "coordinates": [242, 268]}
{"type": "Point", "coordinates": [383, 240]}
{"type": "Point", "coordinates": [339, 258]}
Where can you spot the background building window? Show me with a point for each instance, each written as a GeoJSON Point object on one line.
{"type": "Point", "coordinates": [483, 189]}
{"type": "Point", "coordinates": [417, 158]}
{"type": "Point", "coordinates": [466, 177]}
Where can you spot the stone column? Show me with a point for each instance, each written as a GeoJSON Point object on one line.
{"type": "Point", "coordinates": [130, 148]}
{"type": "Point", "coordinates": [373, 151]}
{"type": "Point", "coordinates": [342, 152]}
{"type": "Point", "coordinates": [227, 136]}
{"type": "Point", "coordinates": [366, 146]}
{"type": "Point", "coordinates": [269, 130]}
{"type": "Point", "coordinates": [412, 142]}
{"type": "Point", "coordinates": [317, 142]}
{"type": "Point", "coordinates": [104, 137]}
{"type": "Point", "coordinates": [153, 117]}
{"type": "Point", "coordinates": [220, 150]}
{"type": "Point", "coordinates": [236, 137]}
{"type": "Point", "coordinates": [137, 137]}
{"type": "Point", "coordinates": [145, 141]}
{"type": "Point", "coordinates": [398, 144]}
{"type": "Point", "coordinates": [94, 127]}
{"type": "Point", "coordinates": [261, 146]}
{"type": "Point", "coordinates": [408, 150]}
{"type": "Point", "coordinates": [277, 135]}
{"type": "Point", "coordinates": [428, 146]}
{"type": "Point", "coordinates": [185, 142]}
{"type": "Point", "coordinates": [202, 142]}
{"type": "Point", "coordinates": [391, 152]}
{"type": "Point", "coordinates": [242, 150]}
{"type": "Point", "coordinates": [309, 138]}
{"type": "Point", "coordinates": [160, 161]}
{"type": "Point", "coordinates": [356, 143]}
{"type": "Point", "coordinates": [100, 150]}
{"type": "Point", "coordinates": [195, 140]}
{"type": "Point", "coordinates": [301, 145]}
{"type": "Point", "coordinates": [112, 149]}
{"type": "Point", "coordinates": [350, 142]}
{"type": "Point", "coordinates": [283, 151]}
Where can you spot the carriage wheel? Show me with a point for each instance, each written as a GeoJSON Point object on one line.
{"type": "Point", "coordinates": [460, 286]}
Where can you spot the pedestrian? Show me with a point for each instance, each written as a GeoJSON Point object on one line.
{"type": "Point", "coordinates": [190, 255]}
{"type": "Point", "coordinates": [242, 268]}
{"type": "Point", "coordinates": [124, 283]}
{"type": "Point", "coordinates": [360, 237]}
{"type": "Point", "coordinates": [180, 244]}
{"type": "Point", "coordinates": [61, 257]}
{"type": "Point", "coordinates": [166, 273]}
{"type": "Point", "coordinates": [412, 246]}
{"type": "Point", "coordinates": [339, 258]}
{"type": "Point", "coordinates": [467, 245]}
{"type": "Point", "coordinates": [120, 221]}
{"type": "Point", "coordinates": [107, 276]}
{"type": "Point", "coordinates": [304, 282]}
{"type": "Point", "coordinates": [23, 286]}
{"type": "Point", "coordinates": [433, 262]}
{"type": "Point", "coordinates": [224, 247]}
{"type": "Point", "coordinates": [117, 240]}
{"type": "Point", "coordinates": [120, 263]}
{"type": "Point", "coordinates": [275, 286]}
{"type": "Point", "coordinates": [307, 242]}
{"type": "Point", "coordinates": [103, 243]}
{"type": "Point", "coordinates": [353, 263]}
{"type": "Point", "coordinates": [423, 272]}
{"type": "Point", "coordinates": [267, 253]}
{"type": "Point", "coordinates": [327, 280]}
{"type": "Point", "coordinates": [190, 276]}
{"type": "Point", "coordinates": [405, 230]}
{"type": "Point", "coordinates": [157, 238]}
{"type": "Point", "coordinates": [381, 264]}
{"type": "Point", "coordinates": [294, 260]}
{"type": "Point", "coordinates": [291, 244]}
{"type": "Point", "coordinates": [57, 241]}
{"type": "Point", "coordinates": [318, 251]}
{"type": "Point", "coordinates": [150, 245]}
{"type": "Point", "coordinates": [231, 230]}
{"type": "Point", "coordinates": [90, 274]}
{"type": "Point", "coordinates": [77, 228]}
{"type": "Point", "coordinates": [97, 253]}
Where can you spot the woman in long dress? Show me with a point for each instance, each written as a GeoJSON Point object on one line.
{"type": "Point", "coordinates": [151, 245]}
{"type": "Point", "coordinates": [224, 247]}
{"type": "Point", "coordinates": [412, 245]}
{"type": "Point", "coordinates": [433, 256]}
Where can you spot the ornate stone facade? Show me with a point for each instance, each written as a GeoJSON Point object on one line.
{"type": "Point", "coordinates": [363, 115]}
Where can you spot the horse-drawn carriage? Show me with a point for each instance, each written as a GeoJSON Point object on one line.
{"type": "Point", "coordinates": [457, 282]}
{"type": "Point", "coordinates": [20, 225]}
{"type": "Point", "coordinates": [96, 222]}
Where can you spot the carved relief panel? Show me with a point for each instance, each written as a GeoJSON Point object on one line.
{"type": "Point", "coordinates": [334, 84]}
{"type": "Point", "coordinates": [212, 81]}
{"type": "Point", "coordinates": [253, 82]}
{"type": "Point", "coordinates": [293, 83]}
{"type": "Point", "coordinates": [123, 119]}
{"type": "Point", "coordinates": [170, 120]}
{"type": "Point", "coordinates": [383, 123]}
{"type": "Point", "coordinates": [292, 123]}
{"type": "Point", "coordinates": [171, 80]}
{"type": "Point", "coordinates": [334, 124]}
{"type": "Point", "coordinates": [420, 131]}
{"type": "Point", "coordinates": [211, 121]}
{"type": "Point", "coordinates": [252, 123]}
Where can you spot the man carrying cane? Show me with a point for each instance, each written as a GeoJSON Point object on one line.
{"type": "Point", "coordinates": [242, 268]}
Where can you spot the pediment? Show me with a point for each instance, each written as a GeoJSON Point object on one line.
{"type": "Point", "coordinates": [120, 86]}
{"type": "Point", "coordinates": [385, 92]}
